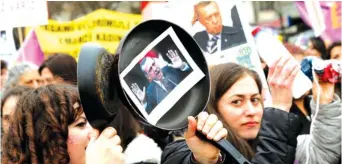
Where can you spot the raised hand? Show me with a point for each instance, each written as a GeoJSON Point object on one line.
{"type": "Point", "coordinates": [141, 94]}
{"type": "Point", "coordinates": [104, 148]}
{"type": "Point", "coordinates": [209, 125]}
{"type": "Point", "coordinates": [175, 59]}
{"type": "Point", "coordinates": [280, 80]}
{"type": "Point", "coordinates": [327, 91]}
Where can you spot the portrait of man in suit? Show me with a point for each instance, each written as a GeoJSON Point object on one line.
{"type": "Point", "coordinates": [162, 78]}
{"type": "Point", "coordinates": [216, 36]}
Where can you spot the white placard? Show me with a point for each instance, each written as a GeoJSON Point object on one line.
{"type": "Point", "coordinates": [235, 44]}
{"type": "Point", "coordinates": [23, 13]}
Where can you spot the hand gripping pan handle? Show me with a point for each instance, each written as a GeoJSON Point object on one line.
{"type": "Point", "coordinates": [227, 147]}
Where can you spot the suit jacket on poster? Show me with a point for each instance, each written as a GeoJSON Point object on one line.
{"type": "Point", "coordinates": [230, 37]}
{"type": "Point", "coordinates": [156, 94]}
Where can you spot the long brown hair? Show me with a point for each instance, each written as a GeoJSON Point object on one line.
{"type": "Point", "coordinates": [224, 76]}
{"type": "Point", "coordinates": [39, 129]}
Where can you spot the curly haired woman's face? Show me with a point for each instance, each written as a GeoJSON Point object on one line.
{"type": "Point", "coordinates": [78, 139]}
{"type": "Point", "coordinates": [241, 108]}
{"type": "Point", "coordinates": [7, 110]}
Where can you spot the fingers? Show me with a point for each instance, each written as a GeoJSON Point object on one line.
{"type": "Point", "coordinates": [134, 87]}
{"type": "Point", "coordinates": [191, 127]}
{"type": "Point", "coordinates": [168, 54]}
{"type": "Point", "coordinates": [172, 54]}
{"type": "Point", "coordinates": [214, 131]}
{"type": "Point", "coordinates": [286, 71]}
{"type": "Point", "coordinates": [117, 149]}
{"type": "Point", "coordinates": [221, 134]}
{"type": "Point", "coordinates": [272, 67]}
{"type": "Point", "coordinates": [278, 68]}
{"type": "Point", "coordinates": [94, 134]}
{"type": "Point", "coordinates": [176, 53]}
{"type": "Point", "coordinates": [202, 117]}
{"type": "Point", "coordinates": [211, 121]}
{"type": "Point", "coordinates": [109, 132]}
{"type": "Point", "coordinates": [289, 81]}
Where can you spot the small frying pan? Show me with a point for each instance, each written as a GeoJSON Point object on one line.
{"type": "Point", "coordinates": [95, 75]}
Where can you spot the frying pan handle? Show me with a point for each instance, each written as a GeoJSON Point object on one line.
{"type": "Point", "coordinates": [227, 147]}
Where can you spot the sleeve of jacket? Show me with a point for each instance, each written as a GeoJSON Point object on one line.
{"type": "Point", "coordinates": [325, 140]}
{"type": "Point", "coordinates": [177, 152]}
{"type": "Point", "coordinates": [277, 137]}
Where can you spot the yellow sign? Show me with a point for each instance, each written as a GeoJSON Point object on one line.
{"type": "Point", "coordinates": [105, 27]}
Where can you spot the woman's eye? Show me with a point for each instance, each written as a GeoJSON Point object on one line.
{"type": "Point", "coordinates": [237, 102]}
{"type": "Point", "coordinates": [6, 117]}
{"type": "Point", "coordinates": [81, 124]}
{"type": "Point", "coordinates": [255, 100]}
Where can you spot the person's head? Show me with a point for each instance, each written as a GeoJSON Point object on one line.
{"type": "Point", "coordinates": [151, 69]}
{"type": "Point", "coordinates": [8, 104]}
{"type": "Point", "coordinates": [316, 47]}
{"type": "Point", "coordinates": [59, 68]}
{"type": "Point", "coordinates": [208, 14]}
{"type": "Point", "coordinates": [48, 126]}
{"type": "Point", "coordinates": [24, 74]}
{"type": "Point", "coordinates": [236, 99]}
{"type": "Point", "coordinates": [3, 73]}
{"type": "Point", "coordinates": [334, 51]}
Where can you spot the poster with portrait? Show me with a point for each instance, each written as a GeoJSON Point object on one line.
{"type": "Point", "coordinates": [221, 30]}
{"type": "Point", "coordinates": [160, 75]}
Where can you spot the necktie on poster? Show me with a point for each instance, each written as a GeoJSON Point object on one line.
{"type": "Point", "coordinates": [212, 45]}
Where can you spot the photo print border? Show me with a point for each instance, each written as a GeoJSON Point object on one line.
{"type": "Point", "coordinates": [173, 96]}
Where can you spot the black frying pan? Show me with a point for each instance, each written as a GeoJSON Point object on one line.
{"type": "Point", "coordinates": [96, 80]}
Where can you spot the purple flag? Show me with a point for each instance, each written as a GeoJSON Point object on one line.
{"type": "Point", "coordinates": [332, 16]}
{"type": "Point", "coordinates": [30, 51]}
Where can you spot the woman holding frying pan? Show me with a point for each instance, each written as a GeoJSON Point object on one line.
{"type": "Point", "coordinates": [236, 99]}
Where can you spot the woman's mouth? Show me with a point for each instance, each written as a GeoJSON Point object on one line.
{"type": "Point", "coordinates": [250, 124]}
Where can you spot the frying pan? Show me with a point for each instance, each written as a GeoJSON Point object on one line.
{"type": "Point", "coordinates": [98, 73]}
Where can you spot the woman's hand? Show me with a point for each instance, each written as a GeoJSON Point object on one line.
{"type": "Point", "coordinates": [326, 95]}
{"type": "Point", "coordinates": [104, 149]}
{"type": "Point", "coordinates": [280, 80]}
{"type": "Point", "coordinates": [209, 125]}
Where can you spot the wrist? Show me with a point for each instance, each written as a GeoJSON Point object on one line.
{"type": "Point", "coordinates": [323, 101]}
{"type": "Point", "coordinates": [205, 160]}
{"type": "Point", "coordinates": [282, 107]}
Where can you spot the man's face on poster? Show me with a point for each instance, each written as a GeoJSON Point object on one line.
{"type": "Point", "coordinates": [152, 69]}
{"type": "Point", "coordinates": [209, 16]}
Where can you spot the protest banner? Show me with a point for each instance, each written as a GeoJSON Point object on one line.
{"type": "Point", "coordinates": [332, 18]}
{"type": "Point", "coordinates": [22, 13]}
{"type": "Point", "coordinates": [102, 26]}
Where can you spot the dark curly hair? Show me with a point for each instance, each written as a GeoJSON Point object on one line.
{"type": "Point", "coordinates": [38, 132]}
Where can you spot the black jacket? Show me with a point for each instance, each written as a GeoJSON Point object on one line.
{"type": "Point", "coordinates": [276, 142]}
{"type": "Point", "coordinates": [304, 122]}
{"type": "Point", "coordinates": [230, 37]}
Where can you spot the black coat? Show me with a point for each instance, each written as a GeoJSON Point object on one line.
{"type": "Point", "coordinates": [276, 142]}
{"type": "Point", "coordinates": [304, 122]}
{"type": "Point", "coordinates": [230, 37]}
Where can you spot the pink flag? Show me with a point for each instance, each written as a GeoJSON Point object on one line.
{"type": "Point", "coordinates": [332, 16]}
{"type": "Point", "coordinates": [30, 51]}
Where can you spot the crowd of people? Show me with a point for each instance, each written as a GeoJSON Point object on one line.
{"type": "Point", "coordinates": [43, 119]}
